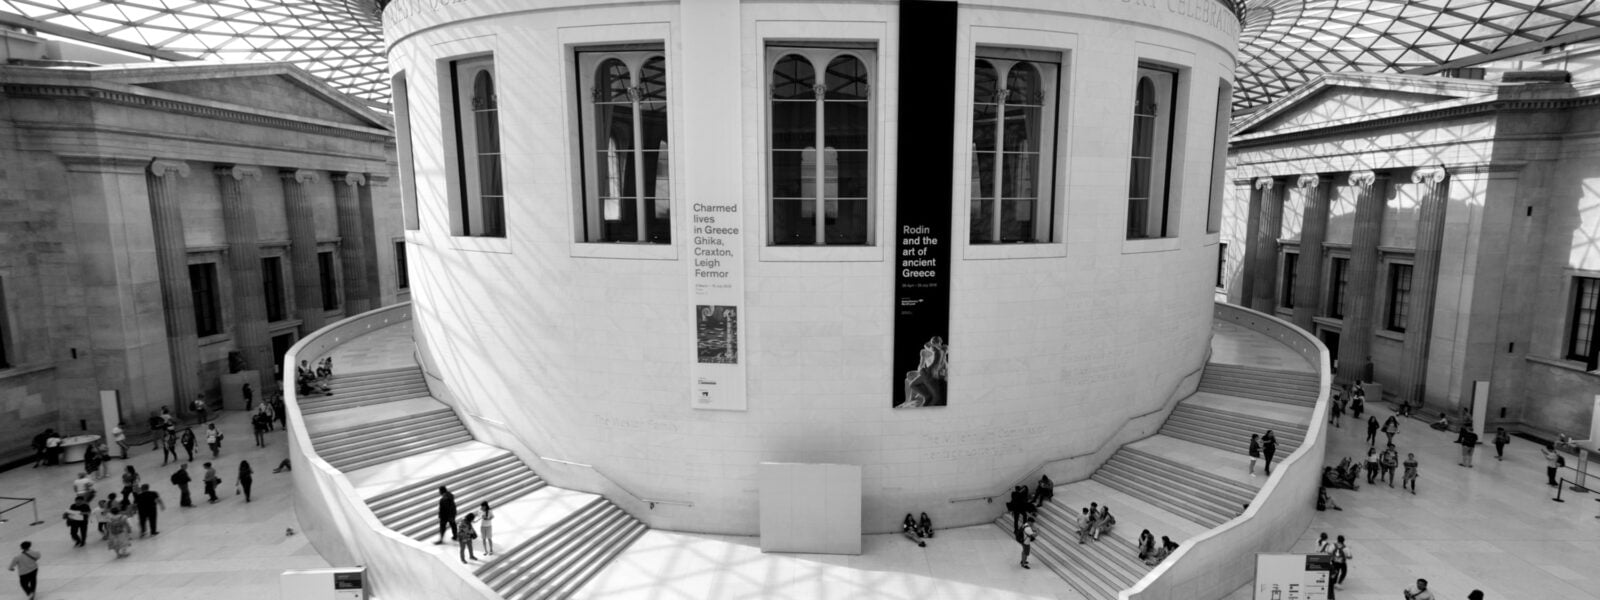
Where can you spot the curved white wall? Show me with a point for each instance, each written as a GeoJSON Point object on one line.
{"type": "Point", "coordinates": [584, 351]}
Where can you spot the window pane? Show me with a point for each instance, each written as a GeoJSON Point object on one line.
{"type": "Point", "coordinates": [1024, 85]}
{"type": "Point", "coordinates": [1022, 128]}
{"type": "Point", "coordinates": [982, 230]}
{"type": "Point", "coordinates": [614, 125]}
{"type": "Point", "coordinates": [1020, 179]}
{"type": "Point", "coordinates": [983, 175]}
{"type": "Point", "coordinates": [658, 220]}
{"type": "Point", "coordinates": [846, 124]}
{"type": "Point", "coordinates": [1585, 298]}
{"type": "Point", "coordinates": [483, 97]}
{"type": "Point", "coordinates": [653, 80]}
{"type": "Point", "coordinates": [793, 78]}
{"type": "Point", "coordinates": [1016, 223]}
{"type": "Point", "coordinates": [611, 82]}
{"type": "Point", "coordinates": [985, 81]}
{"type": "Point", "coordinates": [1139, 178]}
{"type": "Point", "coordinates": [983, 131]}
{"type": "Point", "coordinates": [794, 125]}
{"type": "Point", "coordinates": [846, 222]}
{"type": "Point", "coordinates": [788, 173]}
{"type": "Point", "coordinates": [625, 227]}
{"type": "Point", "coordinates": [847, 174]}
{"type": "Point", "coordinates": [489, 174]}
{"type": "Point", "coordinates": [847, 79]}
{"type": "Point", "coordinates": [794, 222]}
{"type": "Point", "coordinates": [656, 178]}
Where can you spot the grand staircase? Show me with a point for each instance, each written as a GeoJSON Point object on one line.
{"type": "Point", "coordinates": [411, 444]}
{"type": "Point", "coordinates": [1189, 477]}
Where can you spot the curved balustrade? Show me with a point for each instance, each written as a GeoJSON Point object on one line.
{"type": "Point", "coordinates": [1219, 561]}
{"type": "Point", "coordinates": [338, 523]}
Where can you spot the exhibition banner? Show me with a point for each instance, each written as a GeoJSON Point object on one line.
{"type": "Point", "coordinates": [1292, 576]}
{"type": "Point", "coordinates": [924, 205]}
{"type": "Point", "coordinates": [717, 278]}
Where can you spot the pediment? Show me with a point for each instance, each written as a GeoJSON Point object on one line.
{"type": "Point", "coordinates": [276, 93]}
{"type": "Point", "coordinates": [1343, 98]}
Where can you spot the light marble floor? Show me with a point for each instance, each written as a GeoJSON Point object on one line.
{"type": "Point", "coordinates": [1234, 345]}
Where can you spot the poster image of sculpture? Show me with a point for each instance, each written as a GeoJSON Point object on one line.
{"type": "Point", "coordinates": [718, 328]}
{"type": "Point", "coordinates": [926, 385]}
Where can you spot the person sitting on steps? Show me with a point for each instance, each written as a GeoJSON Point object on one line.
{"type": "Point", "coordinates": [909, 528]}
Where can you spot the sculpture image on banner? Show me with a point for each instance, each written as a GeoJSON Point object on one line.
{"type": "Point", "coordinates": [718, 328]}
{"type": "Point", "coordinates": [926, 385]}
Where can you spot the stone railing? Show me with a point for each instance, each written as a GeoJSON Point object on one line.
{"type": "Point", "coordinates": [1219, 561]}
{"type": "Point", "coordinates": [335, 519]}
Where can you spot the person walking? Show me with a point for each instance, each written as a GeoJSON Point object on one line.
{"type": "Point", "coordinates": [248, 395]}
{"type": "Point", "coordinates": [1255, 452]}
{"type": "Point", "coordinates": [147, 501]}
{"type": "Point", "coordinates": [1028, 536]}
{"type": "Point", "coordinates": [465, 535]}
{"type": "Point", "coordinates": [120, 437]}
{"type": "Point", "coordinates": [83, 486]}
{"type": "Point", "coordinates": [1391, 426]}
{"type": "Point", "coordinates": [246, 477]}
{"type": "Point", "coordinates": [1341, 562]}
{"type": "Point", "coordinates": [118, 531]}
{"type": "Point", "coordinates": [1552, 463]}
{"type": "Point", "coordinates": [77, 517]}
{"type": "Point", "coordinates": [199, 408]}
{"type": "Point", "coordinates": [187, 439]}
{"type": "Point", "coordinates": [1389, 460]}
{"type": "Point", "coordinates": [1469, 442]}
{"type": "Point", "coordinates": [1409, 480]}
{"type": "Point", "coordinates": [486, 528]}
{"type": "Point", "coordinates": [1372, 465]}
{"type": "Point", "coordinates": [130, 480]}
{"type": "Point", "coordinates": [1358, 403]}
{"type": "Point", "coordinates": [181, 479]}
{"type": "Point", "coordinates": [213, 439]}
{"type": "Point", "coordinates": [1372, 430]}
{"type": "Point", "coordinates": [26, 566]}
{"type": "Point", "coordinates": [1269, 447]}
{"type": "Point", "coordinates": [40, 451]}
{"type": "Point", "coordinates": [259, 424]}
{"type": "Point", "coordinates": [1336, 416]}
{"type": "Point", "coordinates": [1418, 591]}
{"type": "Point", "coordinates": [447, 515]}
{"type": "Point", "coordinates": [52, 446]}
{"type": "Point", "coordinates": [1501, 438]}
{"type": "Point", "coordinates": [169, 446]}
{"type": "Point", "coordinates": [210, 479]}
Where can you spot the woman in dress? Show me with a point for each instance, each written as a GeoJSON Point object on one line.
{"type": "Point", "coordinates": [1255, 453]}
{"type": "Point", "coordinates": [486, 529]}
{"type": "Point", "coordinates": [118, 532]}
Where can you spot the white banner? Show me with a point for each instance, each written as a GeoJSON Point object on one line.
{"type": "Point", "coordinates": [718, 281]}
{"type": "Point", "coordinates": [1292, 576]}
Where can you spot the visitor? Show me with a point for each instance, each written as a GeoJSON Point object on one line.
{"type": "Point", "coordinates": [1027, 539]}
{"type": "Point", "coordinates": [1418, 591]}
{"type": "Point", "coordinates": [908, 528]}
{"type": "Point", "coordinates": [213, 439]}
{"type": "Point", "coordinates": [447, 515]}
{"type": "Point", "coordinates": [181, 479]}
{"type": "Point", "coordinates": [1409, 480]}
{"type": "Point", "coordinates": [1103, 523]}
{"type": "Point", "coordinates": [1469, 442]}
{"type": "Point", "coordinates": [210, 479]}
{"type": "Point", "coordinates": [1389, 461]}
{"type": "Point", "coordinates": [1269, 446]}
{"type": "Point", "coordinates": [77, 517]}
{"type": "Point", "coordinates": [486, 529]}
{"type": "Point", "coordinates": [169, 446]}
{"type": "Point", "coordinates": [1085, 520]}
{"type": "Point", "coordinates": [1044, 492]}
{"type": "Point", "coordinates": [1443, 424]}
{"type": "Point", "coordinates": [118, 532]}
{"type": "Point", "coordinates": [147, 501]}
{"type": "Point", "coordinates": [41, 452]}
{"type": "Point", "coordinates": [246, 477]}
{"type": "Point", "coordinates": [1501, 438]}
{"type": "Point", "coordinates": [83, 486]}
{"type": "Point", "coordinates": [1341, 562]}
{"type": "Point", "coordinates": [199, 408]}
{"type": "Point", "coordinates": [1372, 465]}
{"type": "Point", "coordinates": [926, 525]}
{"type": "Point", "coordinates": [52, 448]}
{"type": "Point", "coordinates": [188, 441]}
{"type": "Point", "coordinates": [1147, 544]}
{"type": "Point", "coordinates": [1391, 426]}
{"type": "Point", "coordinates": [91, 459]}
{"type": "Point", "coordinates": [1255, 452]}
{"type": "Point", "coordinates": [1372, 430]}
{"type": "Point", "coordinates": [1552, 463]}
{"type": "Point", "coordinates": [26, 566]}
{"type": "Point", "coordinates": [465, 534]}
{"type": "Point", "coordinates": [130, 480]}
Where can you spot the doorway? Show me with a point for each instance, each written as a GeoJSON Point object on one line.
{"type": "Point", "coordinates": [280, 347]}
{"type": "Point", "coordinates": [1330, 338]}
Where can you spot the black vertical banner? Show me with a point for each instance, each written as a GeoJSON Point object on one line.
{"type": "Point", "coordinates": [923, 208]}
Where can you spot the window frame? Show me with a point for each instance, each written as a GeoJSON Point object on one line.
{"type": "Point", "coordinates": [1338, 286]}
{"type": "Point", "coordinates": [1219, 156]}
{"type": "Point", "coordinates": [402, 280]}
{"type": "Point", "coordinates": [405, 152]}
{"type": "Point", "coordinates": [1051, 64]}
{"type": "Point", "coordinates": [1397, 313]}
{"type": "Point", "coordinates": [823, 52]}
{"type": "Point", "coordinates": [1222, 263]}
{"type": "Point", "coordinates": [1575, 324]}
{"type": "Point", "coordinates": [469, 212]}
{"type": "Point", "coordinates": [1164, 146]}
{"type": "Point", "coordinates": [206, 300]}
{"type": "Point", "coordinates": [585, 59]}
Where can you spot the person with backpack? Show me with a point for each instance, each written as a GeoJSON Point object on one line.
{"type": "Point", "coordinates": [181, 479]}
{"type": "Point", "coordinates": [1027, 537]}
{"type": "Point", "coordinates": [465, 534]}
{"type": "Point", "coordinates": [210, 479]}
{"type": "Point", "coordinates": [1469, 442]}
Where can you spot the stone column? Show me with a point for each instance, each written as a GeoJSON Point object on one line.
{"type": "Point", "coordinates": [1265, 267]}
{"type": "Point", "coordinates": [172, 259]}
{"type": "Point", "coordinates": [1355, 342]}
{"type": "Point", "coordinates": [1252, 229]}
{"type": "Point", "coordinates": [1424, 282]}
{"type": "Point", "coordinates": [244, 263]}
{"type": "Point", "coordinates": [1313, 231]}
{"type": "Point", "coordinates": [303, 249]}
{"type": "Point", "coordinates": [353, 251]}
{"type": "Point", "coordinates": [379, 185]}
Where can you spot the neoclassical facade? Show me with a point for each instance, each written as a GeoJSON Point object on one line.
{"type": "Point", "coordinates": [657, 244]}
{"type": "Point", "coordinates": [1435, 232]}
{"type": "Point", "coordinates": [166, 225]}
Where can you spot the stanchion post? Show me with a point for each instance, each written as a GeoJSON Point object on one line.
{"type": "Point", "coordinates": [36, 520]}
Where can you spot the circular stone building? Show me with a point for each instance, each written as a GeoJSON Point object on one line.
{"type": "Point", "coordinates": [653, 245]}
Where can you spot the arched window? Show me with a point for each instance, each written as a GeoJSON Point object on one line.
{"type": "Point", "coordinates": [1013, 145]}
{"type": "Point", "coordinates": [820, 145]}
{"type": "Point", "coordinates": [1150, 155]}
{"type": "Point", "coordinates": [627, 185]}
{"type": "Point", "coordinates": [479, 209]}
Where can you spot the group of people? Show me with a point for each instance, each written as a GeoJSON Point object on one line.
{"type": "Point", "coordinates": [47, 448]}
{"type": "Point", "coordinates": [1263, 446]}
{"type": "Point", "coordinates": [1095, 521]}
{"type": "Point", "coordinates": [470, 527]}
{"type": "Point", "coordinates": [1352, 396]}
{"type": "Point", "coordinates": [1151, 553]}
{"type": "Point", "coordinates": [309, 380]}
{"type": "Point", "coordinates": [1339, 554]}
{"type": "Point", "coordinates": [1390, 427]}
{"type": "Point", "coordinates": [917, 529]}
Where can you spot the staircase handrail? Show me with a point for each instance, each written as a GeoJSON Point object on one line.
{"type": "Point", "coordinates": [651, 502]}
{"type": "Point", "coordinates": [1167, 405]}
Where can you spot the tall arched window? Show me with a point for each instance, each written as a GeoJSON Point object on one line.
{"type": "Point", "coordinates": [1013, 146]}
{"type": "Point", "coordinates": [821, 146]}
{"type": "Point", "coordinates": [480, 206]}
{"type": "Point", "coordinates": [1150, 156]}
{"type": "Point", "coordinates": [627, 182]}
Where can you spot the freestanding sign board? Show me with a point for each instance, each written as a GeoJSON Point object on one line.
{"type": "Point", "coordinates": [1292, 576]}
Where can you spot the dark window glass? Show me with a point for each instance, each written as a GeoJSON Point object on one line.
{"type": "Point", "coordinates": [627, 139]}
{"type": "Point", "coordinates": [1222, 261]}
{"type": "Point", "coordinates": [5, 332]}
{"type": "Point", "coordinates": [1291, 261]}
{"type": "Point", "coordinates": [330, 281]}
{"type": "Point", "coordinates": [402, 273]}
{"type": "Point", "coordinates": [1007, 137]}
{"type": "Point", "coordinates": [1585, 303]}
{"type": "Point", "coordinates": [1399, 297]}
{"type": "Point", "coordinates": [272, 287]}
{"type": "Point", "coordinates": [1338, 280]}
{"type": "Point", "coordinates": [203, 288]}
{"type": "Point", "coordinates": [820, 151]}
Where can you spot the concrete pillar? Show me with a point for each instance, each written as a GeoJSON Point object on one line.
{"type": "Point", "coordinates": [1424, 281]}
{"type": "Point", "coordinates": [1270, 225]}
{"type": "Point", "coordinates": [376, 184]}
{"type": "Point", "coordinates": [1252, 229]}
{"type": "Point", "coordinates": [354, 254]}
{"type": "Point", "coordinates": [244, 263]}
{"type": "Point", "coordinates": [1355, 343]}
{"type": "Point", "coordinates": [303, 249]}
{"type": "Point", "coordinates": [1313, 231]}
{"type": "Point", "coordinates": [172, 260]}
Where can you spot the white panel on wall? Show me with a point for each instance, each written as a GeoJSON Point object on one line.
{"type": "Point", "coordinates": [810, 508]}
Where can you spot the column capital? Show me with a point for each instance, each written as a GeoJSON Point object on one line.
{"type": "Point", "coordinates": [1428, 175]}
{"type": "Point", "coordinates": [1309, 180]}
{"type": "Point", "coordinates": [1264, 183]}
{"type": "Point", "coordinates": [238, 172]}
{"type": "Point", "coordinates": [1362, 178]}
{"type": "Point", "coordinates": [162, 166]}
{"type": "Point", "coordinates": [375, 180]}
{"type": "Point", "coordinates": [299, 175]}
{"type": "Point", "coordinates": [351, 179]}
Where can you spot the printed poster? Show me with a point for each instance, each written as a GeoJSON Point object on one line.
{"type": "Point", "coordinates": [717, 283]}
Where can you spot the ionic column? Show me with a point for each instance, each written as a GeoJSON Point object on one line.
{"type": "Point", "coordinates": [353, 252]}
{"type": "Point", "coordinates": [1313, 231]}
{"type": "Point", "coordinates": [1355, 343]}
{"type": "Point", "coordinates": [172, 260]}
{"type": "Point", "coordinates": [244, 262]}
{"type": "Point", "coordinates": [1424, 282]}
{"type": "Point", "coordinates": [1265, 268]}
{"type": "Point", "coordinates": [376, 184]}
{"type": "Point", "coordinates": [303, 249]}
{"type": "Point", "coordinates": [1252, 229]}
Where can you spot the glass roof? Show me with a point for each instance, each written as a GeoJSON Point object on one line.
{"type": "Point", "coordinates": [1283, 44]}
